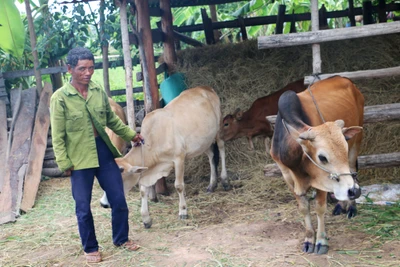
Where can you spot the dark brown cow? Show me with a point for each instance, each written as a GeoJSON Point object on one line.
{"type": "Point", "coordinates": [252, 122]}
{"type": "Point", "coordinates": [311, 153]}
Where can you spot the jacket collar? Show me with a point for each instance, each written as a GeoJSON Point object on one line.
{"type": "Point", "coordinates": [70, 90]}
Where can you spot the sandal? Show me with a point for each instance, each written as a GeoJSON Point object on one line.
{"type": "Point", "coordinates": [93, 257]}
{"type": "Point", "coordinates": [130, 245]}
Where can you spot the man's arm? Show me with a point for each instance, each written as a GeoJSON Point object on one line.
{"type": "Point", "coordinates": [57, 119]}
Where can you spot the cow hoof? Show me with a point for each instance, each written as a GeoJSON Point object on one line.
{"type": "Point", "coordinates": [337, 210]}
{"type": "Point", "coordinates": [351, 212]}
{"type": "Point", "coordinates": [227, 186]}
{"type": "Point", "coordinates": [148, 225]}
{"type": "Point", "coordinates": [106, 206]}
{"type": "Point", "coordinates": [308, 247]}
{"type": "Point", "coordinates": [321, 249]}
{"type": "Point", "coordinates": [155, 200]}
{"type": "Point", "coordinates": [211, 189]}
{"type": "Point", "coordinates": [183, 217]}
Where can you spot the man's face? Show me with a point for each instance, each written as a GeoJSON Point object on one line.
{"type": "Point", "coordinates": [82, 72]}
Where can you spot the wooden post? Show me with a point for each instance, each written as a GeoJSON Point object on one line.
{"type": "Point", "coordinates": [367, 13]}
{"type": "Point", "coordinates": [316, 51]}
{"type": "Point", "coordinates": [32, 35]}
{"type": "Point", "coordinates": [16, 164]}
{"type": "Point", "coordinates": [150, 85]}
{"type": "Point", "coordinates": [323, 21]}
{"type": "Point", "coordinates": [242, 28]}
{"type": "Point", "coordinates": [280, 19]}
{"type": "Point", "coordinates": [38, 148]}
{"type": "Point", "coordinates": [3, 131]}
{"type": "Point", "coordinates": [166, 26]}
{"type": "Point", "coordinates": [382, 11]}
{"type": "Point", "coordinates": [104, 49]}
{"type": "Point", "coordinates": [127, 64]}
{"type": "Point", "coordinates": [351, 13]}
{"type": "Point", "coordinates": [293, 23]}
{"type": "Point", "coordinates": [208, 29]}
{"type": "Point", "coordinates": [214, 18]}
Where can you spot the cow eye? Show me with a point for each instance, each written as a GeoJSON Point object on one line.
{"type": "Point", "coordinates": [226, 124]}
{"type": "Point", "coordinates": [323, 159]}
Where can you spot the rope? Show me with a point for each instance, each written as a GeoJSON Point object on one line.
{"type": "Point", "coordinates": [312, 96]}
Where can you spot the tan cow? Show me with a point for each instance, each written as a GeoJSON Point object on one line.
{"type": "Point", "coordinates": [311, 153]}
{"type": "Point", "coordinates": [187, 127]}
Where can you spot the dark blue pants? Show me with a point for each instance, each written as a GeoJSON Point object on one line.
{"type": "Point", "coordinates": [110, 180]}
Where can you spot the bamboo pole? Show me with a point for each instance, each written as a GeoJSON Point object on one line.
{"type": "Point", "coordinates": [32, 35]}
{"type": "Point", "coordinates": [127, 64]}
{"type": "Point", "coordinates": [104, 48]}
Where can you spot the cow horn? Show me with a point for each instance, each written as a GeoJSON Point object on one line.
{"type": "Point", "coordinates": [307, 135]}
{"type": "Point", "coordinates": [340, 123]}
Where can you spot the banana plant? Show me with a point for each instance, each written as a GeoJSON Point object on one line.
{"type": "Point", "coordinates": [12, 30]}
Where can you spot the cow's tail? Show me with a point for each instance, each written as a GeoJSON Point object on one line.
{"type": "Point", "coordinates": [216, 157]}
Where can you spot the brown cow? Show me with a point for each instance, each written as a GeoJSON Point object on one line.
{"type": "Point", "coordinates": [187, 127]}
{"type": "Point", "coordinates": [314, 153]}
{"type": "Point", "coordinates": [252, 122]}
{"type": "Point", "coordinates": [118, 142]}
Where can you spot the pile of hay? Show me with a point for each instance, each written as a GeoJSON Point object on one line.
{"type": "Point", "coordinates": [240, 73]}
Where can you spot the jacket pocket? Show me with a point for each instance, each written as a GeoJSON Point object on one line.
{"type": "Point", "coordinates": [101, 116]}
{"type": "Point", "coordinates": [75, 121]}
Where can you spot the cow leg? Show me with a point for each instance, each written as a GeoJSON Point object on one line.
{"type": "Point", "coordinates": [251, 145]}
{"type": "Point", "coordinates": [267, 142]}
{"type": "Point", "coordinates": [180, 187]}
{"type": "Point", "coordinates": [152, 193]}
{"type": "Point", "coordinates": [304, 209]}
{"type": "Point", "coordinates": [224, 173]}
{"type": "Point", "coordinates": [144, 210]}
{"type": "Point", "coordinates": [161, 187]}
{"type": "Point", "coordinates": [321, 242]}
{"type": "Point", "coordinates": [213, 175]}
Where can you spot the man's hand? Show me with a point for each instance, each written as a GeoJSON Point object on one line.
{"type": "Point", "coordinates": [138, 140]}
{"type": "Point", "coordinates": [68, 172]}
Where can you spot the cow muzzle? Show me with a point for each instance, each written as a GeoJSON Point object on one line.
{"type": "Point", "coordinates": [354, 192]}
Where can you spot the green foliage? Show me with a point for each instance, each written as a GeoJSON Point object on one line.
{"type": "Point", "coordinates": [11, 29]}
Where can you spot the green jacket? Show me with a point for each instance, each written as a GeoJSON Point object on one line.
{"type": "Point", "coordinates": [71, 126]}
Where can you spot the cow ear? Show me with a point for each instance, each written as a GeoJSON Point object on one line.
{"type": "Point", "coordinates": [136, 169]}
{"type": "Point", "coordinates": [350, 132]}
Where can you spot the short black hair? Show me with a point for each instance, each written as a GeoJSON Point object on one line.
{"type": "Point", "coordinates": [78, 53]}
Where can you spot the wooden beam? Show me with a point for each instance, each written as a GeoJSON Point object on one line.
{"type": "Point", "coordinates": [361, 74]}
{"type": "Point", "coordinates": [187, 39]}
{"type": "Point", "coordinates": [37, 150]}
{"type": "Point", "coordinates": [280, 19]}
{"type": "Point", "coordinates": [364, 162]}
{"type": "Point", "coordinates": [372, 114]}
{"type": "Point", "coordinates": [321, 36]}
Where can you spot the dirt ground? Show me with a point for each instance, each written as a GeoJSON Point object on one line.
{"type": "Point", "coordinates": [224, 229]}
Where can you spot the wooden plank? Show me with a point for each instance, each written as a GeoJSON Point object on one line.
{"type": "Point", "coordinates": [388, 160]}
{"type": "Point", "coordinates": [16, 164]}
{"type": "Point", "coordinates": [321, 36]}
{"type": "Point", "coordinates": [37, 151]}
{"type": "Point", "coordinates": [187, 39]}
{"type": "Point", "coordinates": [372, 114]}
{"type": "Point", "coordinates": [361, 74]}
{"type": "Point", "coordinates": [3, 141]}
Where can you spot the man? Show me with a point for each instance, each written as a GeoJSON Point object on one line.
{"type": "Point", "coordinates": [79, 113]}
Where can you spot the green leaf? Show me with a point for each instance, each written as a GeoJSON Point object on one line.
{"type": "Point", "coordinates": [12, 30]}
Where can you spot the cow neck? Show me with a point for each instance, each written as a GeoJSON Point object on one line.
{"type": "Point", "coordinates": [332, 175]}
